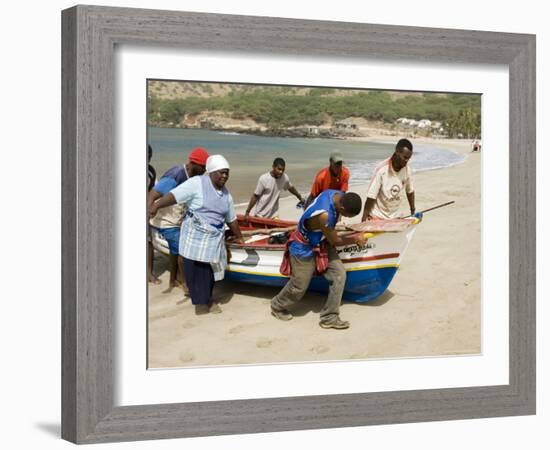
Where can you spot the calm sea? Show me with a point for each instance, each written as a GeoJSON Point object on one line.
{"type": "Point", "coordinates": [250, 156]}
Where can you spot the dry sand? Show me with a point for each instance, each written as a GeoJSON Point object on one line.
{"type": "Point", "coordinates": [432, 307]}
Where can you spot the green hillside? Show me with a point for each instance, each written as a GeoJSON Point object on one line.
{"type": "Point", "coordinates": [280, 107]}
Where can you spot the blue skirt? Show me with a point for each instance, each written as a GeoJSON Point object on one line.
{"type": "Point", "coordinates": [200, 281]}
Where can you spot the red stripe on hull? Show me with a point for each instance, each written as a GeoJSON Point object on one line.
{"type": "Point", "coordinates": [371, 258]}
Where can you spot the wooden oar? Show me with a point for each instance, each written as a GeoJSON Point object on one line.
{"type": "Point", "coordinates": [432, 208]}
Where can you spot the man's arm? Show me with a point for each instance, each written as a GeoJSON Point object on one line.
{"type": "Point", "coordinates": [293, 191]}
{"type": "Point", "coordinates": [309, 199]}
{"type": "Point", "coordinates": [410, 198]}
{"type": "Point", "coordinates": [163, 202]}
{"type": "Point", "coordinates": [152, 196]}
{"type": "Point", "coordinates": [372, 195]}
{"type": "Point", "coordinates": [345, 179]}
{"type": "Point", "coordinates": [369, 204]}
{"type": "Point", "coordinates": [409, 189]}
{"type": "Point", "coordinates": [251, 204]}
{"type": "Point", "coordinates": [163, 187]}
{"type": "Point", "coordinates": [331, 234]}
{"type": "Point", "coordinates": [317, 186]}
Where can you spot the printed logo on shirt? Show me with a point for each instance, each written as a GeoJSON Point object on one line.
{"type": "Point", "coordinates": [395, 191]}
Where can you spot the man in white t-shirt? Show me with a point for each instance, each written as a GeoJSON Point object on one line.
{"type": "Point", "coordinates": [265, 199]}
{"type": "Point", "coordinates": [391, 179]}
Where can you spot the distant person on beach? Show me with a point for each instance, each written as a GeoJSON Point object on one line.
{"type": "Point", "coordinates": [476, 145]}
{"type": "Point", "coordinates": [168, 221]}
{"type": "Point", "coordinates": [311, 250]}
{"type": "Point", "coordinates": [391, 178]}
{"type": "Point", "coordinates": [202, 240]}
{"type": "Point", "coordinates": [151, 180]}
{"type": "Point", "coordinates": [335, 176]}
{"type": "Point", "coordinates": [266, 197]}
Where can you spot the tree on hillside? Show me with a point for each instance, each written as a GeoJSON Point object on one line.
{"type": "Point", "coordinates": [466, 123]}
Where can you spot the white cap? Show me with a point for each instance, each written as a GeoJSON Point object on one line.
{"type": "Point", "coordinates": [216, 162]}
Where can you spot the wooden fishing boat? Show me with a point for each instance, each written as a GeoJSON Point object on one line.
{"type": "Point", "coordinates": [370, 270]}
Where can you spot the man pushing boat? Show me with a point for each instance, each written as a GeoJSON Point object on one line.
{"type": "Point", "coordinates": [265, 198]}
{"type": "Point", "coordinates": [391, 177]}
{"type": "Point", "coordinates": [311, 250]}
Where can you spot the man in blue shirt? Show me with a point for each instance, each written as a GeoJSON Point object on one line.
{"type": "Point", "coordinates": [168, 221]}
{"type": "Point", "coordinates": [311, 250]}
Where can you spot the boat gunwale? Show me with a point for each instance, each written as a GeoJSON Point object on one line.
{"type": "Point", "coordinates": [278, 247]}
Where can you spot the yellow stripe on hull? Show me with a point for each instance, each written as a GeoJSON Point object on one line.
{"type": "Point", "coordinates": [381, 266]}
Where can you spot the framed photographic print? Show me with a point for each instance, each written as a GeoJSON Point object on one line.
{"type": "Point", "coordinates": [284, 100]}
{"type": "Point", "coordinates": [277, 138]}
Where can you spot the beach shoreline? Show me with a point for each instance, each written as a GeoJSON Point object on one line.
{"type": "Point", "coordinates": [432, 307]}
{"type": "Point", "coordinates": [459, 146]}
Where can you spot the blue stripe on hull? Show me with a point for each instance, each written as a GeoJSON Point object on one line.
{"type": "Point", "coordinates": [361, 285]}
{"type": "Point", "coordinates": [261, 280]}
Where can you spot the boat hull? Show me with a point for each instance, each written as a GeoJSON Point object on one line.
{"type": "Point", "coordinates": [361, 286]}
{"type": "Point", "coordinates": [369, 270]}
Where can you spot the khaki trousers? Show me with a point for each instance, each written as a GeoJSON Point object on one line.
{"type": "Point", "coordinates": [302, 272]}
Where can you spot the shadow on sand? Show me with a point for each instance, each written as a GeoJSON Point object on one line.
{"type": "Point", "coordinates": [312, 301]}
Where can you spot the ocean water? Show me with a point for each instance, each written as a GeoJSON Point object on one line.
{"type": "Point", "coordinates": [250, 156]}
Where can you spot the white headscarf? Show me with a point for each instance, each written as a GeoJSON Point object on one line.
{"type": "Point", "coordinates": [215, 163]}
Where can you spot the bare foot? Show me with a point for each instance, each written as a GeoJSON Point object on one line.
{"type": "Point", "coordinates": [168, 289]}
{"type": "Point", "coordinates": [214, 308]}
{"type": "Point", "coordinates": [154, 280]}
{"type": "Point", "coordinates": [181, 285]}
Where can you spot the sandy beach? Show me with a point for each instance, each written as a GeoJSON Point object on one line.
{"type": "Point", "coordinates": [432, 307]}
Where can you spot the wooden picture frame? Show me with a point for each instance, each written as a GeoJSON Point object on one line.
{"type": "Point", "coordinates": [89, 35]}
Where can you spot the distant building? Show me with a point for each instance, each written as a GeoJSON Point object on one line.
{"type": "Point", "coordinates": [347, 124]}
{"type": "Point", "coordinates": [424, 123]}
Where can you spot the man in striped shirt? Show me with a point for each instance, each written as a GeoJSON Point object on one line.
{"type": "Point", "coordinates": [391, 179]}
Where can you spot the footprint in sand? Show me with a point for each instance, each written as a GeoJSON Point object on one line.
{"type": "Point", "coordinates": [187, 325]}
{"type": "Point", "coordinates": [186, 357]}
{"type": "Point", "coordinates": [319, 349]}
{"type": "Point", "coordinates": [264, 342]}
{"type": "Point", "coordinates": [239, 329]}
